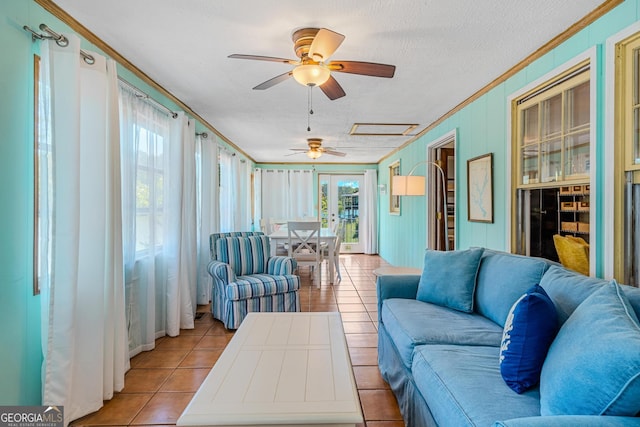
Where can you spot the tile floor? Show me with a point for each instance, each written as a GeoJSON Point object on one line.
{"type": "Point", "coordinates": [161, 382]}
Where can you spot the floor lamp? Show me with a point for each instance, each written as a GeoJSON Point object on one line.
{"type": "Point", "coordinates": [414, 185]}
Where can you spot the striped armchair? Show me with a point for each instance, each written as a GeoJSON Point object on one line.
{"type": "Point", "coordinates": [247, 279]}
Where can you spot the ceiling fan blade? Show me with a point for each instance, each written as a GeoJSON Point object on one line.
{"type": "Point", "coordinates": [274, 81]}
{"type": "Point", "coordinates": [264, 58]}
{"type": "Point", "coordinates": [332, 89]}
{"type": "Point", "coordinates": [324, 44]}
{"type": "Point", "coordinates": [334, 153]}
{"type": "Point", "coordinates": [301, 150]}
{"type": "Point", "coordinates": [363, 68]}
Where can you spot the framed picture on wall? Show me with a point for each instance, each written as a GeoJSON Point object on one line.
{"type": "Point", "coordinates": [480, 188]}
{"type": "Point", "coordinates": [394, 201]}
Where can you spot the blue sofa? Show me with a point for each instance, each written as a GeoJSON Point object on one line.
{"type": "Point", "coordinates": [443, 365]}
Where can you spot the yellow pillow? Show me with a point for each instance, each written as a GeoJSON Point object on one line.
{"type": "Point", "coordinates": [573, 253]}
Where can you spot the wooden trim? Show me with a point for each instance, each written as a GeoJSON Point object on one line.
{"type": "Point", "coordinates": [76, 26]}
{"type": "Point", "coordinates": [544, 49]}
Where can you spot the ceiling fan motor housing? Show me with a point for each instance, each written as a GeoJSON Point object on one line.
{"type": "Point", "coordinates": [314, 143]}
{"type": "Point", "coordinates": [302, 40]}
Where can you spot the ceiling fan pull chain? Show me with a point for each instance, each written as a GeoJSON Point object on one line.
{"type": "Point", "coordinates": [309, 109]}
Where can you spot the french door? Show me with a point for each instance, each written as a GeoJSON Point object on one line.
{"type": "Point", "coordinates": [340, 198]}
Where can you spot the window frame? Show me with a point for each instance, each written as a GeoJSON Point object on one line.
{"type": "Point", "coordinates": [560, 85]}
{"type": "Point", "coordinates": [155, 172]}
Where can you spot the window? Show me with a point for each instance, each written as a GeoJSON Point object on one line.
{"type": "Point", "coordinates": [394, 201]}
{"type": "Point", "coordinates": [551, 142]}
{"type": "Point", "coordinates": [630, 61]}
{"type": "Point", "coordinates": [149, 189]}
{"type": "Point", "coordinates": [553, 128]}
{"type": "Point", "coordinates": [144, 143]}
{"type": "Point", "coordinates": [43, 180]}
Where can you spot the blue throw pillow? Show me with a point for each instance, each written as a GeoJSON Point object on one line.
{"type": "Point", "coordinates": [449, 278]}
{"type": "Point", "coordinates": [593, 366]}
{"type": "Point", "coordinates": [531, 325]}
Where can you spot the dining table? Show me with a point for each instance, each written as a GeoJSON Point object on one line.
{"type": "Point", "coordinates": [327, 236]}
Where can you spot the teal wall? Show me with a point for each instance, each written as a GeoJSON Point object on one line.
{"type": "Point", "coordinates": [20, 353]}
{"type": "Point", "coordinates": [482, 128]}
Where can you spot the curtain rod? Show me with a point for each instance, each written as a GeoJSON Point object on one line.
{"type": "Point", "coordinates": [142, 95]}
{"type": "Point", "coordinates": [62, 41]}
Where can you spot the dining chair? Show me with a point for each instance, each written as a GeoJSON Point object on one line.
{"type": "Point", "coordinates": [304, 246]}
{"type": "Point", "coordinates": [334, 253]}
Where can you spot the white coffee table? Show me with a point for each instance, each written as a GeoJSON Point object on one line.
{"type": "Point", "coordinates": [288, 369]}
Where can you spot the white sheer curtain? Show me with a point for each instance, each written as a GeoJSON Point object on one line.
{"type": "Point", "coordinates": [283, 194]}
{"type": "Point", "coordinates": [244, 191]}
{"type": "Point", "coordinates": [228, 205]}
{"type": "Point", "coordinates": [160, 248]}
{"type": "Point", "coordinates": [300, 194]}
{"type": "Point", "coordinates": [369, 213]}
{"type": "Point", "coordinates": [236, 184]}
{"type": "Point", "coordinates": [275, 194]}
{"type": "Point", "coordinates": [207, 182]}
{"type": "Point", "coordinates": [181, 244]}
{"type": "Point", "coordinates": [257, 199]}
{"type": "Point", "coordinates": [83, 314]}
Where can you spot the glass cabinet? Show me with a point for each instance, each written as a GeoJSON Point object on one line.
{"type": "Point", "coordinates": [554, 134]}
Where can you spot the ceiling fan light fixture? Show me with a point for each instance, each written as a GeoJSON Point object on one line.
{"type": "Point", "coordinates": [311, 74]}
{"type": "Point", "coordinates": [314, 154]}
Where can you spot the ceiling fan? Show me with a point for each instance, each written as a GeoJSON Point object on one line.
{"type": "Point", "coordinates": [315, 149]}
{"type": "Point", "coordinates": [313, 47]}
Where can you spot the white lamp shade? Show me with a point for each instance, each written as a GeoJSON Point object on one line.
{"type": "Point", "coordinates": [408, 185]}
{"type": "Point", "coordinates": [311, 74]}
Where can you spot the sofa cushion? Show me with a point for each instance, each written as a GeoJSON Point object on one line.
{"type": "Point", "coordinates": [259, 285]}
{"type": "Point", "coordinates": [568, 290]}
{"type": "Point", "coordinates": [245, 255]}
{"type": "Point", "coordinates": [411, 323]}
{"type": "Point", "coordinates": [531, 325]}
{"type": "Point", "coordinates": [449, 278]}
{"type": "Point", "coordinates": [502, 279]}
{"type": "Point", "coordinates": [213, 239]}
{"type": "Point", "coordinates": [593, 366]}
{"type": "Point", "coordinates": [462, 386]}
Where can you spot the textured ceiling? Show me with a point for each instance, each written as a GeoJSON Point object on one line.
{"type": "Point", "coordinates": [444, 51]}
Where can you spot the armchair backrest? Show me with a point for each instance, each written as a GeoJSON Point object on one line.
{"type": "Point", "coordinates": [215, 236]}
{"type": "Point", "coordinates": [245, 255]}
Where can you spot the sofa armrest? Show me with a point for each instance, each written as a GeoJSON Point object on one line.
{"type": "Point", "coordinates": [570, 421]}
{"type": "Point", "coordinates": [281, 265]}
{"type": "Point", "coordinates": [401, 286]}
{"type": "Point", "coordinates": [221, 272]}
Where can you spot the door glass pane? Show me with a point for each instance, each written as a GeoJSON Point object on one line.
{"type": "Point", "coordinates": [578, 106]}
{"type": "Point", "coordinates": [530, 164]}
{"type": "Point", "coordinates": [577, 162]}
{"type": "Point", "coordinates": [324, 202]}
{"type": "Point", "coordinates": [530, 125]}
{"type": "Point", "coordinates": [348, 210]}
{"type": "Point", "coordinates": [551, 116]}
{"type": "Point", "coordinates": [550, 158]}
